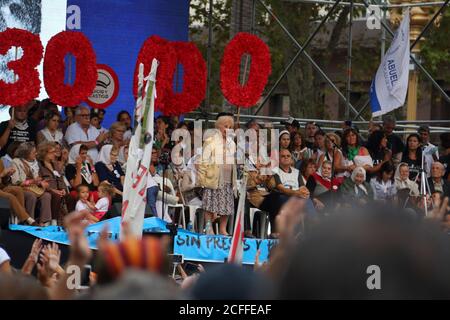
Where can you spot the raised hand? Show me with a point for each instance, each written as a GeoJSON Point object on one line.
{"type": "Point", "coordinates": [75, 223]}
{"type": "Point", "coordinates": [11, 124]}
{"type": "Point", "coordinates": [54, 255]}
{"type": "Point", "coordinates": [289, 218]}
{"type": "Point", "coordinates": [78, 161]}
{"type": "Point", "coordinates": [438, 213]}
{"type": "Point", "coordinates": [33, 257]}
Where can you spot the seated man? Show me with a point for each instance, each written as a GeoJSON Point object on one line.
{"type": "Point", "coordinates": [288, 183]}
{"type": "Point", "coordinates": [436, 181]}
{"type": "Point", "coordinates": [82, 132]}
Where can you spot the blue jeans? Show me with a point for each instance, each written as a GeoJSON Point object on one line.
{"type": "Point", "coordinates": [152, 194]}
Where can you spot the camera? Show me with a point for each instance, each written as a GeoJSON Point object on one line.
{"type": "Point", "coordinates": [164, 158]}
{"type": "Point", "coordinates": [176, 258]}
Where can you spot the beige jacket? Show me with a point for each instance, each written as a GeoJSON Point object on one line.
{"type": "Point", "coordinates": [209, 167]}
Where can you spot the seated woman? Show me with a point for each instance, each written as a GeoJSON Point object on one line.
{"type": "Point", "coordinates": [116, 135]}
{"type": "Point", "coordinates": [307, 170]}
{"type": "Point", "coordinates": [46, 155]}
{"type": "Point", "coordinates": [81, 170]}
{"type": "Point", "coordinates": [26, 175]}
{"type": "Point", "coordinates": [412, 155]}
{"type": "Point", "coordinates": [62, 157]}
{"type": "Point", "coordinates": [299, 149]}
{"type": "Point", "coordinates": [355, 155]}
{"type": "Point", "coordinates": [333, 154]}
{"type": "Point", "coordinates": [51, 132]}
{"type": "Point", "coordinates": [325, 185]}
{"type": "Point", "coordinates": [380, 153]}
{"type": "Point", "coordinates": [383, 184]}
{"type": "Point", "coordinates": [355, 191]}
{"type": "Point", "coordinates": [15, 196]}
{"type": "Point", "coordinates": [109, 169]}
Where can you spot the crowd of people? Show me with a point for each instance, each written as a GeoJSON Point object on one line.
{"type": "Point", "coordinates": [328, 169]}
{"type": "Point", "coordinates": [54, 164]}
{"type": "Point", "coordinates": [50, 160]}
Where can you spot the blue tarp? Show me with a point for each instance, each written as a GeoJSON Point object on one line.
{"type": "Point", "coordinates": [193, 246]}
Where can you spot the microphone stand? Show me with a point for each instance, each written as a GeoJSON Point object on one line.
{"type": "Point", "coordinates": [333, 171]}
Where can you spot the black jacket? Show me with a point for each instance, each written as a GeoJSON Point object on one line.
{"type": "Point", "coordinates": [445, 187]}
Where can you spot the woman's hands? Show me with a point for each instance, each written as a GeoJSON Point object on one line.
{"type": "Point", "coordinates": [33, 257]}
{"type": "Point", "coordinates": [303, 192]}
{"type": "Point", "coordinates": [78, 162]}
{"type": "Point", "coordinates": [48, 267]}
{"type": "Point", "coordinates": [59, 193]}
{"type": "Point", "coordinates": [7, 172]}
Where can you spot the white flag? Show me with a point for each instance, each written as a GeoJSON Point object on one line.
{"type": "Point", "coordinates": [139, 156]}
{"type": "Point", "coordinates": [237, 243]}
{"type": "Point", "coordinates": [388, 89]}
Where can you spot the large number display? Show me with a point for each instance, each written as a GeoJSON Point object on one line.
{"type": "Point", "coordinates": [169, 54]}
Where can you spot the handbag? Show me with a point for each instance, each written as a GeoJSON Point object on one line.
{"type": "Point", "coordinates": [34, 188]}
{"type": "Point", "coordinates": [38, 191]}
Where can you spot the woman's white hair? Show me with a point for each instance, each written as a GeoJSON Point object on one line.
{"type": "Point", "coordinates": [222, 120]}
{"type": "Point", "coordinates": [356, 171]}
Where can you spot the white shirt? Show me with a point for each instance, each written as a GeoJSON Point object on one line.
{"type": "Point", "coordinates": [102, 204]}
{"type": "Point", "coordinates": [58, 137]}
{"type": "Point", "coordinates": [150, 181]}
{"type": "Point", "coordinates": [3, 256]}
{"type": "Point", "coordinates": [81, 206]}
{"type": "Point", "coordinates": [75, 133]}
{"type": "Point", "coordinates": [127, 135]}
{"type": "Point", "coordinates": [288, 179]}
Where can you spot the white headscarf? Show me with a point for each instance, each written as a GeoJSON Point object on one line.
{"type": "Point", "coordinates": [74, 153]}
{"type": "Point", "coordinates": [105, 154]}
{"type": "Point", "coordinates": [85, 170]}
{"type": "Point", "coordinates": [359, 170]}
{"type": "Point", "coordinates": [405, 184]}
{"type": "Point", "coordinates": [356, 171]}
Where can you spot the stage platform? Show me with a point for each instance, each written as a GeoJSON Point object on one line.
{"type": "Point", "coordinates": [17, 240]}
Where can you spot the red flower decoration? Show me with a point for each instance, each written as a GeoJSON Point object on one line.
{"type": "Point", "coordinates": [160, 49]}
{"type": "Point", "coordinates": [27, 84]}
{"type": "Point", "coordinates": [194, 80]}
{"type": "Point", "coordinates": [246, 95]}
{"type": "Point", "coordinates": [80, 47]}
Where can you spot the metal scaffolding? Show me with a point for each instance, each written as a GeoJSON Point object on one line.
{"type": "Point", "coordinates": [302, 47]}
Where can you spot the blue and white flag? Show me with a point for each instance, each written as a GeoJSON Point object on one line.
{"type": "Point", "coordinates": [388, 89]}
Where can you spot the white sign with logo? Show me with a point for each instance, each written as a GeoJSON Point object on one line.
{"type": "Point", "coordinates": [107, 88]}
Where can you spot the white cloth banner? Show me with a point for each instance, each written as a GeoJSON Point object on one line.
{"type": "Point", "coordinates": [139, 157]}
{"type": "Point", "coordinates": [388, 89]}
{"type": "Point", "coordinates": [237, 245]}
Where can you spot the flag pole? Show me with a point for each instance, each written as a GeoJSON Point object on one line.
{"type": "Point", "coordinates": [236, 252]}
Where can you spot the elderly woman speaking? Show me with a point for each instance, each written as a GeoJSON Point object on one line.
{"type": "Point", "coordinates": [217, 174]}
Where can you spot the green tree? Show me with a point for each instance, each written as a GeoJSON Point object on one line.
{"type": "Point", "coordinates": [198, 29]}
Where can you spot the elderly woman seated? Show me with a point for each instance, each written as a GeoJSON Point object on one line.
{"type": "Point", "coordinates": [355, 191]}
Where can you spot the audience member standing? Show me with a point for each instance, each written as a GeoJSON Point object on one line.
{"type": "Point", "coordinates": [19, 128]}
{"type": "Point", "coordinates": [395, 142]}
